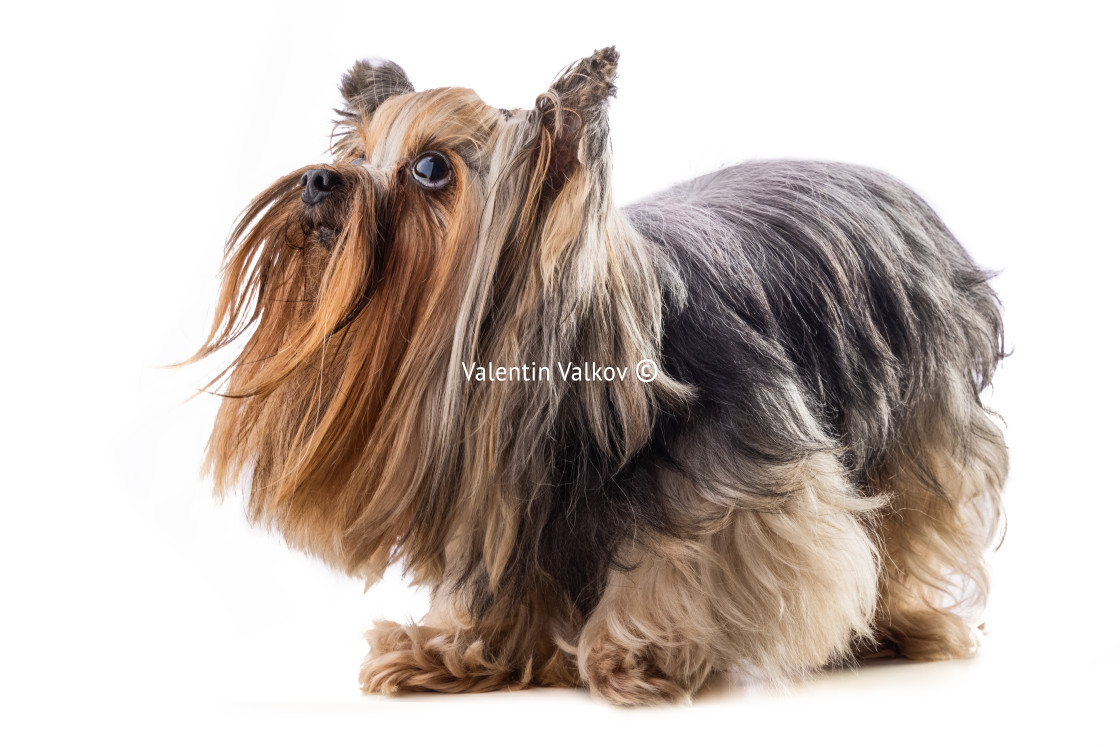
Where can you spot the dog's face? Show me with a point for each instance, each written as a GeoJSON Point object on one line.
{"type": "Point", "coordinates": [445, 231]}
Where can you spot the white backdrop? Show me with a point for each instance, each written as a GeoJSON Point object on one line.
{"type": "Point", "coordinates": [136, 609]}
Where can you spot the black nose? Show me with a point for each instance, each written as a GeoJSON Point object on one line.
{"type": "Point", "coordinates": [318, 183]}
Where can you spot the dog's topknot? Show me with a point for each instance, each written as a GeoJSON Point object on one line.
{"type": "Point", "coordinates": [370, 82]}
{"type": "Point", "coordinates": [574, 109]}
{"type": "Point", "coordinates": [590, 81]}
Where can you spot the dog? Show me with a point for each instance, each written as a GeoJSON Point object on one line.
{"type": "Point", "coordinates": [734, 425]}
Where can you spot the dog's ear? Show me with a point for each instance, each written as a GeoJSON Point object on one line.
{"type": "Point", "coordinates": [574, 113]}
{"type": "Point", "coordinates": [372, 81]}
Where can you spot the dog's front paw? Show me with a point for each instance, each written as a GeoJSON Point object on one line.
{"type": "Point", "coordinates": [421, 658]}
{"type": "Point", "coordinates": [387, 664]}
{"type": "Point", "coordinates": [634, 678]}
{"type": "Point", "coordinates": [398, 660]}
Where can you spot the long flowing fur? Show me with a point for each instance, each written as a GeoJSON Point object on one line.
{"type": "Point", "coordinates": [812, 475]}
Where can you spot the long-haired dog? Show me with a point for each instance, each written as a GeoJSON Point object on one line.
{"type": "Point", "coordinates": [442, 336]}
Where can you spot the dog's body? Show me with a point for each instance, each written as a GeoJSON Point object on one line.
{"type": "Point", "coordinates": [811, 476]}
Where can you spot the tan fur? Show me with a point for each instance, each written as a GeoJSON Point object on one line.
{"type": "Point", "coordinates": [450, 652]}
{"type": "Point", "coordinates": [945, 512]}
{"type": "Point", "coordinates": [787, 590]}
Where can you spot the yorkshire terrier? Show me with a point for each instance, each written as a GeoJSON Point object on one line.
{"type": "Point", "coordinates": [736, 424]}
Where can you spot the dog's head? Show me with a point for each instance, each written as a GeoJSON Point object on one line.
{"type": "Point", "coordinates": [444, 231]}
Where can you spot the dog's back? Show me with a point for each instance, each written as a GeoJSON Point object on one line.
{"type": "Point", "coordinates": [838, 271]}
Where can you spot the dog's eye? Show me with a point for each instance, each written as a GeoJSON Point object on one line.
{"type": "Point", "coordinates": [431, 170]}
{"type": "Point", "coordinates": [358, 161]}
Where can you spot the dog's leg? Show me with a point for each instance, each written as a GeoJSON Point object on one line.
{"type": "Point", "coordinates": [944, 479]}
{"type": "Point", "coordinates": [449, 653]}
{"type": "Point", "coordinates": [786, 590]}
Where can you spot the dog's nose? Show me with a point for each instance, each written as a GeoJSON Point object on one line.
{"type": "Point", "coordinates": [318, 183]}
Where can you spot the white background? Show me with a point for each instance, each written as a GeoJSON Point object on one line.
{"type": "Point", "coordinates": [135, 610]}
